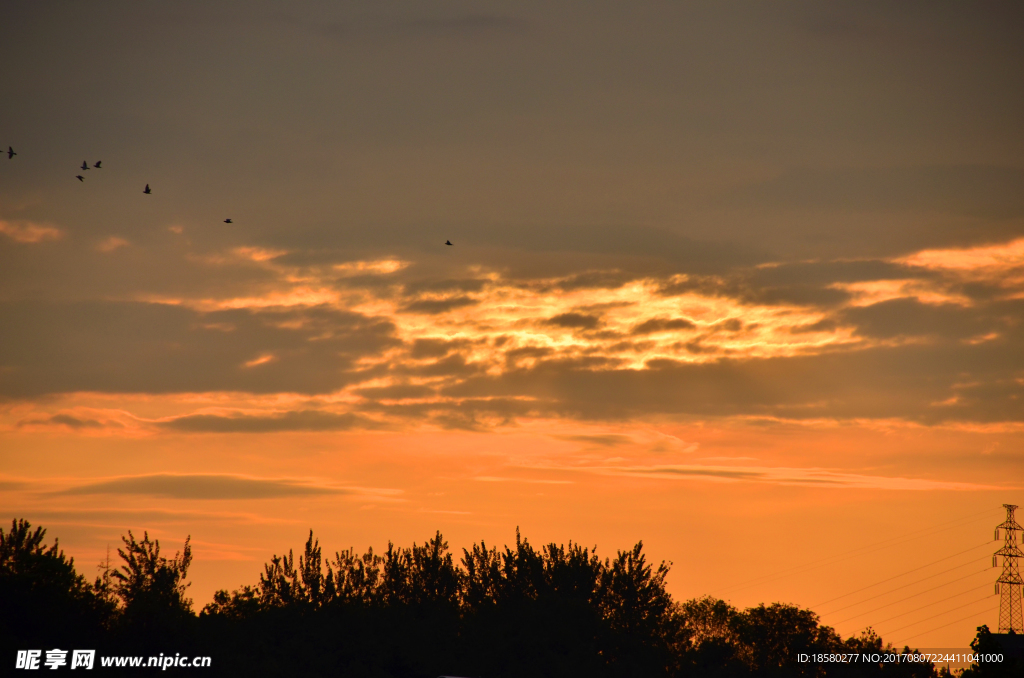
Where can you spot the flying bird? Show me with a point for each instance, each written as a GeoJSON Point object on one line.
{"type": "Point", "coordinates": [228, 221]}
{"type": "Point", "coordinates": [85, 165]}
{"type": "Point", "coordinates": [80, 177]}
{"type": "Point", "coordinates": [146, 190]}
{"type": "Point", "coordinates": [447, 242]}
{"type": "Point", "coordinates": [10, 153]}
{"type": "Point", "coordinates": [98, 163]}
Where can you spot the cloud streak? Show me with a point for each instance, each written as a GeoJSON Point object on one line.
{"type": "Point", "coordinates": [203, 486]}
{"type": "Point", "coordinates": [787, 476]}
{"type": "Point", "coordinates": [302, 420]}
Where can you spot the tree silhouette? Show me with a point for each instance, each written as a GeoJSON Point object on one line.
{"type": "Point", "coordinates": [640, 613]}
{"type": "Point", "coordinates": [151, 588]}
{"type": "Point", "coordinates": [987, 643]}
{"type": "Point", "coordinates": [772, 637]}
{"type": "Point", "coordinates": [557, 611]}
{"type": "Point", "coordinates": [357, 579]}
{"type": "Point", "coordinates": [280, 585]}
{"type": "Point", "coordinates": [41, 594]}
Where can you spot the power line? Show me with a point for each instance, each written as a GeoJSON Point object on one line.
{"type": "Point", "coordinates": [885, 593]}
{"type": "Point", "coordinates": [966, 520]}
{"type": "Point", "coordinates": [882, 544]}
{"type": "Point", "coordinates": [953, 581]}
{"type": "Point", "coordinates": [943, 626]}
{"type": "Point", "coordinates": [901, 575]}
{"type": "Point", "coordinates": [903, 614]}
{"type": "Point", "coordinates": [939, 615]}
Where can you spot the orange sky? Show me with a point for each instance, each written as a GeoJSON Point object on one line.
{"type": "Point", "coordinates": [748, 286]}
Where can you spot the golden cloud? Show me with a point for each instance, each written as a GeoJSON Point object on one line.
{"type": "Point", "coordinates": [29, 232]}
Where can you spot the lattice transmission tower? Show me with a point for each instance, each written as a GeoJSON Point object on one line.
{"type": "Point", "coordinates": [1009, 584]}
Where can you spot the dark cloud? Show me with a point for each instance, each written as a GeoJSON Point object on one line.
{"type": "Point", "coordinates": [825, 325]}
{"type": "Point", "coordinates": [627, 346]}
{"type": "Point", "coordinates": [433, 348]}
{"type": "Point", "coordinates": [435, 306]}
{"type": "Point", "coordinates": [454, 366]}
{"type": "Point", "coordinates": [796, 295]}
{"type": "Point", "coordinates": [729, 325]}
{"type": "Point", "coordinates": [466, 413]}
{"type": "Point", "coordinates": [596, 280]}
{"type": "Point", "coordinates": [908, 381]}
{"type": "Point", "coordinates": [513, 356]}
{"type": "Point", "coordinates": [579, 321]}
{"type": "Point", "coordinates": [159, 348]}
{"type": "Point", "coordinates": [800, 283]}
{"type": "Point", "coordinates": [396, 392]}
{"type": "Point", "coordinates": [911, 318]}
{"type": "Point", "coordinates": [303, 420]}
{"type": "Point", "coordinates": [662, 325]}
{"type": "Point", "coordinates": [443, 285]}
{"type": "Point", "coordinates": [203, 486]}
{"type": "Point", "coordinates": [62, 420]}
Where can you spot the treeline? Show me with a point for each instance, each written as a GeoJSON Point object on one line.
{"type": "Point", "coordinates": [518, 611]}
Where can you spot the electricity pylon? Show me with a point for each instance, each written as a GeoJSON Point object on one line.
{"type": "Point", "coordinates": [1008, 586]}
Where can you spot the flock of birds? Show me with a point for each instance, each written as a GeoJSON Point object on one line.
{"type": "Point", "coordinates": [99, 165]}
{"type": "Point", "coordinates": [96, 165]}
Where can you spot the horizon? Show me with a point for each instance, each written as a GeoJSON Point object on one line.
{"type": "Point", "coordinates": [743, 283]}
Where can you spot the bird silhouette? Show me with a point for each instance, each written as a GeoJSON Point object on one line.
{"type": "Point", "coordinates": [228, 221]}
{"type": "Point", "coordinates": [85, 165]}
{"type": "Point", "coordinates": [10, 153]}
{"type": "Point", "coordinates": [146, 190]}
{"type": "Point", "coordinates": [80, 177]}
{"type": "Point", "coordinates": [98, 163]}
{"type": "Point", "coordinates": [447, 242]}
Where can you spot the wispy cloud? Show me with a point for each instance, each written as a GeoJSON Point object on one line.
{"type": "Point", "coordinates": [124, 518]}
{"type": "Point", "coordinates": [29, 232]}
{"type": "Point", "coordinates": [110, 244]}
{"type": "Point", "coordinates": [70, 421]}
{"type": "Point", "coordinates": [784, 476]}
{"type": "Point", "coordinates": [992, 258]}
{"type": "Point", "coordinates": [304, 420]}
{"type": "Point", "coordinates": [204, 486]}
{"type": "Point", "coordinates": [605, 440]}
{"type": "Point", "coordinates": [539, 481]}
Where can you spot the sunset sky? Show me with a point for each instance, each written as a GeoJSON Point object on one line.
{"type": "Point", "coordinates": [742, 280]}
